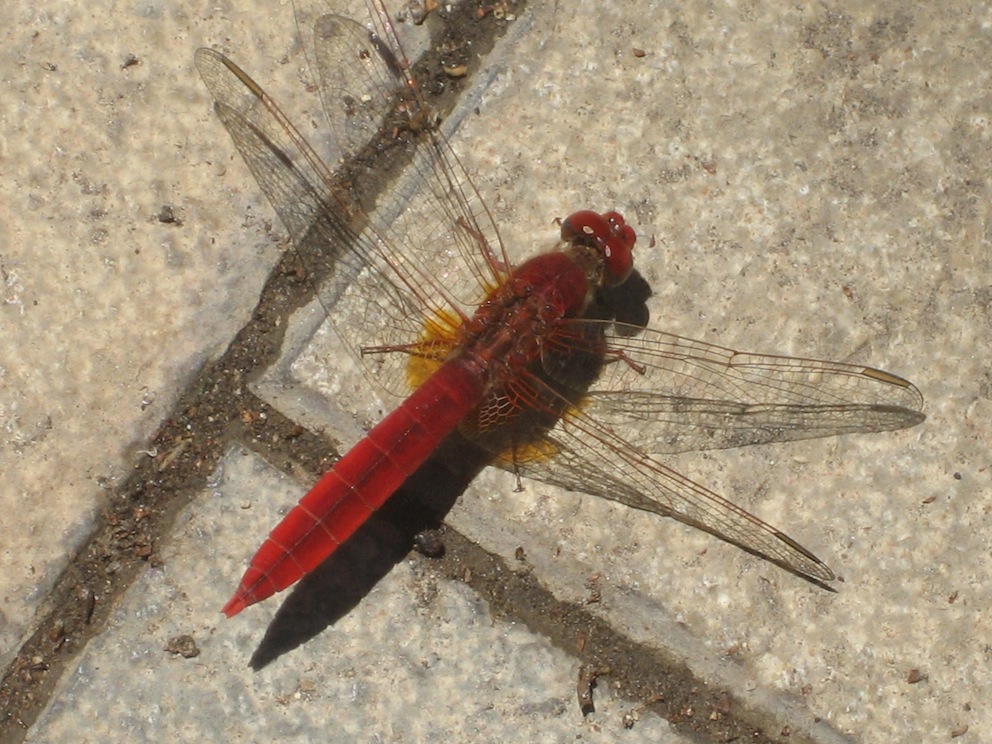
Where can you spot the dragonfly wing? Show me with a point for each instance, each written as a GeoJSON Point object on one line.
{"type": "Point", "coordinates": [365, 87]}
{"type": "Point", "coordinates": [277, 155]}
{"type": "Point", "coordinates": [581, 455]}
{"type": "Point", "coordinates": [668, 394]}
{"type": "Point", "coordinates": [315, 206]}
{"type": "Point", "coordinates": [660, 393]}
{"type": "Point", "coordinates": [452, 251]}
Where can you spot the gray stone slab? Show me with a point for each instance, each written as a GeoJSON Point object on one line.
{"type": "Point", "coordinates": [417, 660]}
{"type": "Point", "coordinates": [107, 311]}
{"type": "Point", "coordinates": [812, 179]}
{"type": "Point", "coordinates": [816, 179]}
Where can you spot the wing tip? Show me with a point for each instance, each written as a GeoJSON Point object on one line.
{"type": "Point", "coordinates": [895, 380]}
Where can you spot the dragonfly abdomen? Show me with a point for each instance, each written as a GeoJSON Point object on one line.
{"type": "Point", "coordinates": [360, 483]}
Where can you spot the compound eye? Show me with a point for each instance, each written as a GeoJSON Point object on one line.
{"type": "Point", "coordinates": [619, 249]}
{"type": "Point", "coordinates": [585, 227]}
{"type": "Point", "coordinates": [619, 261]}
{"type": "Point", "coordinates": [610, 234]}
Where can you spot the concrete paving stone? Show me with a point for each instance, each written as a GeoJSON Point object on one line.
{"type": "Point", "coordinates": [798, 170]}
{"type": "Point", "coordinates": [418, 660]}
{"type": "Point", "coordinates": [107, 310]}
{"type": "Point", "coordinates": [816, 181]}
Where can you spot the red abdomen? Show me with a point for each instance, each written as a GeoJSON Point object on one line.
{"type": "Point", "coordinates": [359, 483]}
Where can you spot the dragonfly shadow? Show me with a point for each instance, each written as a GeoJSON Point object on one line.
{"type": "Point", "coordinates": [626, 303]}
{"type": "Point", "coordinates": [332, 590]}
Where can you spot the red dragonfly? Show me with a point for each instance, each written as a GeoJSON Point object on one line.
{"type": "Point", "coordinates": [534, 362]}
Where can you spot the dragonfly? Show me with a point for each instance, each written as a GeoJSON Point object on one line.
{"type": "Point", "coordinates": [537, 363]}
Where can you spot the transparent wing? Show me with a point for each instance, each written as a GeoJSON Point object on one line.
{"type": "Point", "coordinates": [382, 296]}
{"type": "Point", "coordinates": [661, 394]}
{"type": "Point", "coordinates": [585, 456]}
{"type": "Point", "coordinates": [433, 218]}
{"type": "Point", "coordinates": [667, 394]}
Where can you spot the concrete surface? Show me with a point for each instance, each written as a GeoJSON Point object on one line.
{"type": "Point", "coordinates": [817, 181]}
{"type": "Point", "coordinates": [416, 661]}
{"type": "Point", "coordinates": [108, 311]}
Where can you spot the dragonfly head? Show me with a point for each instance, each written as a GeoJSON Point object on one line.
{"type": "Point", "coordinates": [609, 234]}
